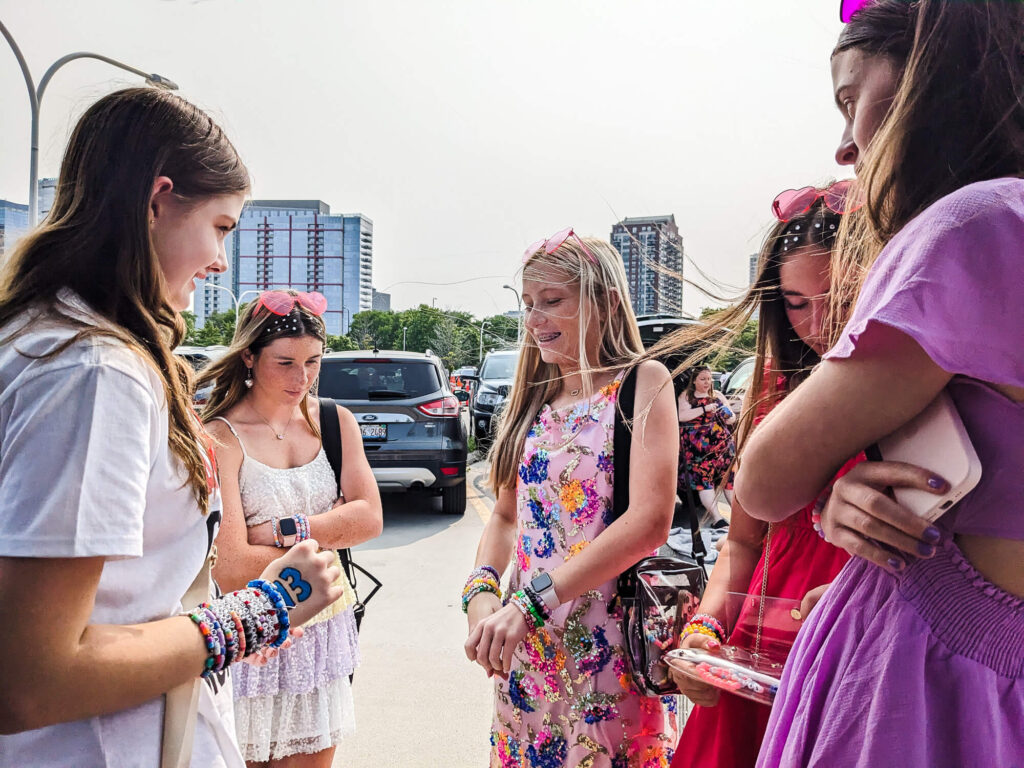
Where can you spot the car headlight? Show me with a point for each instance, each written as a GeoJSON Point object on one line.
{"type": "Point", "coordinates": [489, 398]}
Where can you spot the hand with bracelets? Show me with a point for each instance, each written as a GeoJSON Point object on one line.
{"type": "Point", "coordinates": [244, 623]}
{"type": "Point", "coordinates": [494, 638]}
{"type": "Point", "coordinates": [707, 633]}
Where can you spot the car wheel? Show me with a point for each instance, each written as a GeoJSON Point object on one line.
{"type": "Point", "coordinates": [453, 499]}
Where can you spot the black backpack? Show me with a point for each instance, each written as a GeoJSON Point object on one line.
{"type": "Point", "coordinates": [330, 435]}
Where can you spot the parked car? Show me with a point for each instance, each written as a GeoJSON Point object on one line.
{"type": "Point", "coordinates": [409, 418]}
{"type": "Point", "coordinates": [199, 358]}
{"type": "Point", "coordinates": [735, 384]}
{"type": "Point", "coordinates": [492, 387]}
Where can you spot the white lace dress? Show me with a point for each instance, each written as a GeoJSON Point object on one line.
{"type": "Point", "coordinates": [300, 701]}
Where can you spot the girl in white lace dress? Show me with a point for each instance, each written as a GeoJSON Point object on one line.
{"type": "Point", "coordinates": [279, 488]}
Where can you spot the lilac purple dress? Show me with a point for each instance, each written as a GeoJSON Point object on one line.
{"type": "Point", "coordinates": [925, 669]}
{"type": "Point", "coordinates": [568, 701]}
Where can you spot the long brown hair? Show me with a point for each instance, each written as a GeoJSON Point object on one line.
{"type": "Point", "coordinates": [257, 327]}
{"type": "Point", "coordinates": [957, 116]}
{"type": "Point", "coordinates": [780, 354]}
{"type": "Point", "coordinates": [96, 239]}
{"type": "Point", "coordinates": [604, 299]}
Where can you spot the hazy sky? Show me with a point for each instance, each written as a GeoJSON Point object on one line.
{"type": "Point", "coordinates": [467, 129]}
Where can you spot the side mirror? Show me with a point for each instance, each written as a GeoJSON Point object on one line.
{"type": "Point", "coordinates": [462, 395]}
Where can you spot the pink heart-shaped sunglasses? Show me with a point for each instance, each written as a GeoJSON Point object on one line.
{"type": "Point", "coordinates": [554, 242]}
{"type": "Point", "coordinates": [282, 302]}
{"type": "Point", "coordinates": [849, 7]}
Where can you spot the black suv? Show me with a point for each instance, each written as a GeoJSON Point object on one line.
{"type": "Point", "coordinates": [493, 382]}
{"type": "Point", "coordinates": [412, 433]}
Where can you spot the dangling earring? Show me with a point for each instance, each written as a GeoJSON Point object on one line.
{"type": "Point", "coordinates": [248, 378]}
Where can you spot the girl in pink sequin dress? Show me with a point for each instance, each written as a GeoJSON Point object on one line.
{"type": "Point", "coordinates": [563, 694]}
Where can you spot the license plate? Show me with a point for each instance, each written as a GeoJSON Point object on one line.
{"type": "Point", "coordinates": [374, 431]}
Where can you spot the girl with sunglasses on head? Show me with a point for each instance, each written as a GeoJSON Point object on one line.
{"type": "Point", "coordinates": [562, 690]}
{"type": "Point", "coordinates": [109, 500]}
{"type": "Point", "coordinates": [914, 656]}
{"type": "Point", "coordinates": [788, 560]}
{"type": "Point", "coordinates": [279, 489]}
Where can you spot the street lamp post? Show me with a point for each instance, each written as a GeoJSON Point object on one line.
{"type": "Point", "coordinates": [519, 317]}
{"type": "Point", "coordinates": [482, 324]}
{"type": "Point", "coordinates": [404, 329]}
{"type": "Point", "coordinates": [229, 292]}
{"type": "Point", "coordinates": [35, 97]}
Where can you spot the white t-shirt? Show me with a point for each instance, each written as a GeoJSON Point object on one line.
{"type": "Point", "coordinates": [86, 471]}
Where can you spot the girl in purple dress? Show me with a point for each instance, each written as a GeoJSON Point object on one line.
{"type": "Point", "coordinates": [563, 697]}
{"type": "Point", "coordinates": [915, 656]}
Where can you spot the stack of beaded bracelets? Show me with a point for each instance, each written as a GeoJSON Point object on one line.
{"type": "Point", "coordinates": [239, 624]}
{"type": "Point", "coordinates": [482, 579]}
{"type": "Point", "coordinates": [301, 530]}
{"type": "Point", "coordinates": [531, 606]}
{"type": "Point", "coordinates": [704, 624]}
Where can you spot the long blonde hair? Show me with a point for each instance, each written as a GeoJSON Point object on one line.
{"type": "Point", "coordinates": [257, 327]}
{"type": "Point", "coordinates": [604, 299]}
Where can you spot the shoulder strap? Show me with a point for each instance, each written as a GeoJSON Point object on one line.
{"type": "Point", "coordinates": [330, 436]}
{"type": "Point", "coordinates": [233, 432]}
{"type": "Point", "coordinates": [623, 443]}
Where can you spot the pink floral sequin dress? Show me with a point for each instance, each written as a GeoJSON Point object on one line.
{"type": "Point", "coordinates": [568, 700]}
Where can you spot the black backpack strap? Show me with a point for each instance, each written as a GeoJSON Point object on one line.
{"type": "Point", "coordinates": [623, 443]}
{"type": "Point", "coordinates": [330, 436]}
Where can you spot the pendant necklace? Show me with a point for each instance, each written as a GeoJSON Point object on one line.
{"type": "Point", "coordinates": [279, 435]}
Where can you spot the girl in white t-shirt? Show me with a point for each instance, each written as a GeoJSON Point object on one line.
{"type": "Point", "coordinates": [109, 499]}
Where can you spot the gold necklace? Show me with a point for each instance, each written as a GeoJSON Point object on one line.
{"type": "Point", "coordinates": [279, 435]}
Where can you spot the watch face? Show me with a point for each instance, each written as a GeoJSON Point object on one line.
{"type": "Point", "coordinates": [541, 583]}
{"type": "Point", "coordinates": [287, 527]}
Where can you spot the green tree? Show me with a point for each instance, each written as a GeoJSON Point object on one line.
{"type": "Point", "coordinates": [742, 346]}
{"type": "Point", "coordinates": [340, 343]}
{"type": "Point", "coordinates": [219, 328]}
{"type": "Point", "coordinates": [190, 327]}
{"type": "Point", "coordinates": [375, 329]}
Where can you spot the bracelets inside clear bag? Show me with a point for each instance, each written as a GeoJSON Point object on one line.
{"type": "Point", "coordinates": [762, 633]}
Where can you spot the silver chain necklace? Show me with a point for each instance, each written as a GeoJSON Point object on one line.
{"type": "Point", "coordinates": [279, 435]}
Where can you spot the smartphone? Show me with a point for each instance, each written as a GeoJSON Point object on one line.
{"type": "Point", "coordinates": [937, 440]}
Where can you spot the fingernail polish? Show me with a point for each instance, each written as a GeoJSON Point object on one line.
{"type": "Point", "coordinates": [896, 564]}
{"type": "Point", "coordinates": [931, 534]}
{"type": "Point", "coordinates": [925, 550]}
{"type": "Point", "coordinates": [936, 482]}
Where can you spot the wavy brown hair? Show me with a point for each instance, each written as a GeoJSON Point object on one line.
{"type": "Point", "coordinates": [957, 117]}
{"type": "Point", "coordinates": [257, 327]}
{"type": "Point", "coordinates": [780, 354]}
{"type": "Point", "coordinates": [600, 283]}
{"type": "Point", "coordinates": [96, 240]}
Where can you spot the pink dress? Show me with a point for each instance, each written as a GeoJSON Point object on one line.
{"type": "Point", "coordinates": [568, 701]}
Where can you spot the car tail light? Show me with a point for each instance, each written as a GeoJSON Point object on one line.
{"type": "Point", "coordinates": [446, 407]}
{"type": "Point", "coordinates": [449, 471]}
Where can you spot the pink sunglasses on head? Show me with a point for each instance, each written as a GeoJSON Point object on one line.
{"type": "Point", "coordinates": [849, 7]}
{"type": "Point", "coordinates": [555, 242]}
{"type": "Point", "coordinates": [282, 302]}
{"type": "Point", "coordinates": [840, 197]}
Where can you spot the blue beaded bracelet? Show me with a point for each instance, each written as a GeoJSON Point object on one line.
{"type": "Point", "coordinates": [275, 597]}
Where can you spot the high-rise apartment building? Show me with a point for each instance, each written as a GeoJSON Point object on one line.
{"type": "Point", "coordinates": [652, 253]}
{"type": "Point", "coordinates": [381, 301]}
{"type": "Point", "coordinates": [13, 224]}
{"type": "Point", "coordinates": [297, 244]}
{"type": "Point", "coordinates": [47, 190]}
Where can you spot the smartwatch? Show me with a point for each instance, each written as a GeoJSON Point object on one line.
{"type": "Point", "coordinates": [545, 589]}
{"type": "Point", "coordinates": [288, 529]}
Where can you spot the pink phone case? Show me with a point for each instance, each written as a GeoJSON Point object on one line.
{"type": "Point", "coordinates": [936, 440]}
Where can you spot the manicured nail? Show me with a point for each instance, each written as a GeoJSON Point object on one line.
{"type": "Point", "coordinates": [936, 482]}
{"type": "Point", "coordinates": [714, 644]}
{"type": "Point", "coordinates": [925, 550]}
{"type": "Point", "coordinates": [931, 534]}
{"type": "Point", "coordinates": [896, 564]}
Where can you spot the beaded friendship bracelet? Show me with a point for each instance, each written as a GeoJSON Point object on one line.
{"type": "Point", "coordinates": [704, 624]}
{"type": "Point", "coordinates": [482, 579]}
{"type": "Point", "coordinates": [526, 607]}
{"type": "Point", "coordinates": [819, 506]}
{"type": "Point", "coordinates": [277, 599]}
